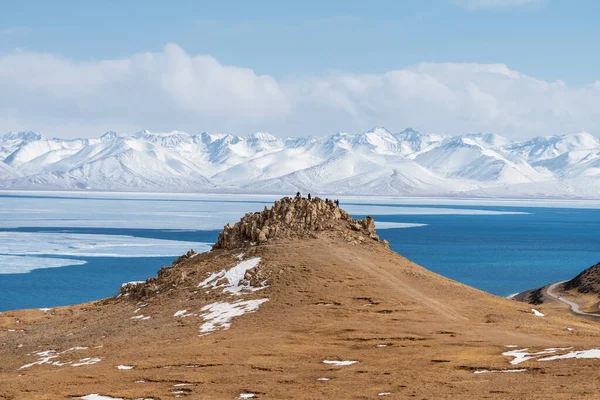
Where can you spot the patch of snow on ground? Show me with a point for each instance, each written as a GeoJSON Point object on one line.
{"type": "Point", "coordinates": [339, 363]}
{"type": "Point", "coordinates": [180, 313]}
{"type": "Point", "coordinates": [246, 395]}
{"type": "Point", "coordinates": [593, 353]}
{"type": "Point", "coordinates": [322, 379]}
{"type": "Point", "coordinates": [50, 357]}
{"type": "Point", "coordinates": [230, 279]}
{"type": "Point", "coordinates": [124, 366]}
{"type": "Point", "coordinates": [87, 361]}
{"type": "Point", "coordinates": [133, 283]}
{"type": "Point", "coordinates": [219, 315]}
{"type": "Point", "coordinates": [537, 313]}
{"type": "Point", "coordinates": [45, 309]}
{"type": "Point", "coordinates": [522, 355]}
{"type": "Point", "coordinates": [99, 397]}
{"type": "Point", "coordinates": [384, 394]}
{"type": "Point", "coordinates": [493, 371]}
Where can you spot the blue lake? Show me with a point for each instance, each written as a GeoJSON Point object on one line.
{"type": "Point", "coordinates": [498, 253]}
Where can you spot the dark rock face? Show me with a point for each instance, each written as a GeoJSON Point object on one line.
{"type": "Point", "coordinates": [586, 282]}
{"type": "Point", "coordinates": [292, 218]}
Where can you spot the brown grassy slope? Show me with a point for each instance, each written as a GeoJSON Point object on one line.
{"type": "Point", "coordinates": [333, 296]}
{"type": "Point", "coordinates": [587, 282]}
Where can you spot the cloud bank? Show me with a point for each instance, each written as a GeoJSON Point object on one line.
{"type": "Point", "coordinates": [172, 89]}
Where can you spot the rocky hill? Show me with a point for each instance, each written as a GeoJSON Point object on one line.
{"type": "Point", "coordinates": [586, 282]}
{"type": "Point", "coordinates": [295, 218]}
{"type": "Point", "coordinates": [299, 301]}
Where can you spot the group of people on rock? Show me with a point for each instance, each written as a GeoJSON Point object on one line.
{"type": "Point", "coordinates": [336, 201]}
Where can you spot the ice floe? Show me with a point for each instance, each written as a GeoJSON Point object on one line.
{"type": "Point", "coordinates": [24, 264]}
{"type": "Point", "coordinates": [396, 225]}
{"type": "Point", "coordinates": [229, 279]}
{"type": "Point", "coordinates": [359, 209]}
{"type": "Point", "coordinates": [92, 245]}
{"type": "Point", "coordinates": [339, 363]}
{"type": "Point", "coordinates": [219, 315]}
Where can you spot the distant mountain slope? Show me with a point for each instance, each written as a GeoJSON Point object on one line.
{"type": "Point", "coordinates": [373, 162]}
{"type": "Point", "coordinates": [6, 172]}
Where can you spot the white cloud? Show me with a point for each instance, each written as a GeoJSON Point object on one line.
{"type": "Point", "coordinates": [174, 90]}
{"type": "Point", "coordinates": [480, 4]}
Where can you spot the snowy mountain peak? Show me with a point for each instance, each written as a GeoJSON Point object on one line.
{"type": "Point", "coordinates": [265, 136]}
{"type": "Point", "coordinates": [378, 130]}
{"type": "Point", "coordinates": [110, 135]}
{"type": "Point", "coordinates": [22, 135]}
{"type": "Point", "coordinates": [376, 161]}
{"type": "Point", "coordinates": [488, 139]}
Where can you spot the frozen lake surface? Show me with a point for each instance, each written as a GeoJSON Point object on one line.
{"type": "Point", "coordinates": [61, 248]}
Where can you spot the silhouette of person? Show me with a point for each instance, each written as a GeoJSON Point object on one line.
{"type": "Point", "coordinates": [337, 203]}
{"type": "Point", "coordinates": [309, 196]}
{"type": "Point", "coordinates": [297, 194]}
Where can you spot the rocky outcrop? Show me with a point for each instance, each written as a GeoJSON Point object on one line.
{"type": "Point", "coordinates": [293, 218]}
{"type": "Point", "coordinates": [586, 282]}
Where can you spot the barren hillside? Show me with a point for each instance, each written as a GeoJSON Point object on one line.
{"type": "Point", "coordinates": [298, 301]}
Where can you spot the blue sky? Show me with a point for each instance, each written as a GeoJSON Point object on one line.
{"type": "Point", "coordinates": [547, 39]}
{"type": "Point", "coordinates": [550, 40]}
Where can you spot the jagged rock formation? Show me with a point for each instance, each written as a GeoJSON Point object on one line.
{"type": "Point", "coordinates": [294, 218]}
{"type": "Point", "coordinates": [586, 282]}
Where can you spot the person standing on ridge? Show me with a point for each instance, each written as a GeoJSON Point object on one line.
{"type": "Point", "coordinates": [309, 196]}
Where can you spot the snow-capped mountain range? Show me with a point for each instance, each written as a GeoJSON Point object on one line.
{"type": "Point", "coordinates": [377, 162]}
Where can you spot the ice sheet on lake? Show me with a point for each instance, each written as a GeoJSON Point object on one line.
{"type": "Point", "coordinates": [24, 264]}
{"type": "Point", "coordinates": [399, 210]}
{"type": "Point", "coordinates": [84, 245]}
{"type": "Point", "coordinates": [193, 211]}
{"type": "Point", "coordinates": [396, 225]}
